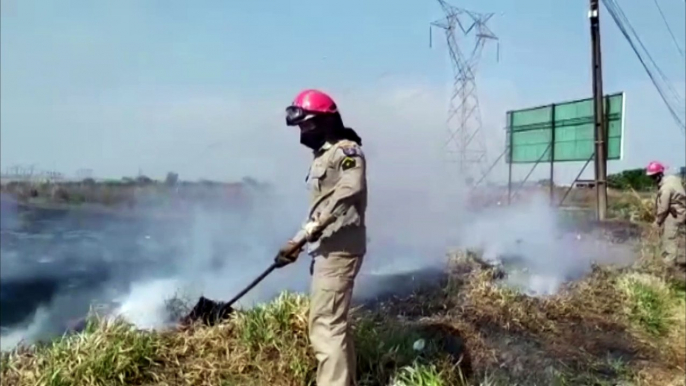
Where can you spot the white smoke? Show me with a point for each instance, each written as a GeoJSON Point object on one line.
{"type": "Point", "coordinates": [145, 306]}
{"type": "Point", "coordinates": [27, 333]}
{"type": "Point", "coordinates": [409, 228]}
{"type": "Point", "coordinates": [543, 253]}
{"type": "Point", "coordinates": [416, 211]}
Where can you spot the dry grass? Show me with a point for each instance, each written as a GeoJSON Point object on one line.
{"type": "Point", "coordinates": [267, 345]}
{"type": "Point", "coordinates": [613, 326]}
{"type": "Point", "coordinates": [632, 206]}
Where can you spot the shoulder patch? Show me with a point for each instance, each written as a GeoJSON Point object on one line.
{"type": "Point", "coordinates": [351, 151]}
{"type": "Point", "coordinates": [348, 163]}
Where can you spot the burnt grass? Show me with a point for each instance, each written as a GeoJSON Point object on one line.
{"type": "Point", "coordinates": [580, 336]}
{"type": "Point", "coordinates": [575, 337]}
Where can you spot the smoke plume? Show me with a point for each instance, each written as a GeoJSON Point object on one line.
{"type": "Point", "coordinates": [417, 209]}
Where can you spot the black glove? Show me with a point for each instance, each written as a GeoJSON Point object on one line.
{"type": "Point", "coordinates": [287, 255]}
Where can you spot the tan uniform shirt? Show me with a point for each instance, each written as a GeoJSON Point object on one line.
{"type": "Point", "coordinates": [338, 185]}
{"type": "Point", "coordinates": [671, 199]}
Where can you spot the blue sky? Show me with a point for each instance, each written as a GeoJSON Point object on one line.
{"type": "Point", "coordinates": [199, 87]}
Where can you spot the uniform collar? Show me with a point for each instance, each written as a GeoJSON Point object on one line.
{"type": "Point", "coordinates": [326, 146]}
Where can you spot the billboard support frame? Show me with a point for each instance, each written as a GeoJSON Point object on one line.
{"type": "Point", "coordinates": [576, 179]}
{"type": "Point", "coordinates": [488, 171]}
{"type": "Point", "coordinates": [509, 173]}
{"type": "Point", "coordinates": [552, 153]}
{"type": "Point", "coordinates": [521, 185]}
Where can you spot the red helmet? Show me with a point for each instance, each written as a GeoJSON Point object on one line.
{"type": "Point", "coordinates": [655, 168]}
{"type": "Point", "coordinates": [308, 104]}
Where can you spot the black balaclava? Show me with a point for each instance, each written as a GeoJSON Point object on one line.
{"type": "Point", "coordinates": [657, 178]}
{"type": "Point", "coordinates": [313, 138]}
{"type": "Point", "coordinates": [327, 128]}
{"type": "Point", "coordinates": [315, 132]}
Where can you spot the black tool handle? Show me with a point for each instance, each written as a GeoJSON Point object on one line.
{"type": "Point", "coordinates": [299, 244]}
{"type": "Point", "coordinates": [252, 285]}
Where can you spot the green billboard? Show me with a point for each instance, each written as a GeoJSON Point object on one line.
{"type": "Point", "coordinates": [563, 131]}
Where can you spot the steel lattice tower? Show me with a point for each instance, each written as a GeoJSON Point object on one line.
{"type": "Point", "coordinates": [466, 35]}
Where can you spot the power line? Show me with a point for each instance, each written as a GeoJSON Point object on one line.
{"type": "Point", "coordinates": [625, 27]}
{"type": "Point", "coordinates": [671, 33]}
{"type": "Point", "coordinates": [647, 61]}
{"type": "Point", "coordinates": [667, 82]}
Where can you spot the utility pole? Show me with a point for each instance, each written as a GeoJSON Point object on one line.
{"type": "Point", "coordinates": [598, 114]}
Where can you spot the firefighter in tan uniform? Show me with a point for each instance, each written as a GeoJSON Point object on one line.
{"type": "Point", "coordinates": [670, 213]}
{"type": "Point", "coordinates": [338, 184]}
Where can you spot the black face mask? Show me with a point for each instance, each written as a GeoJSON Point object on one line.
{"type": "Point", "coordinates": [314, 139]}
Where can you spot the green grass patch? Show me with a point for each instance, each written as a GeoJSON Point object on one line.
{"type": "Point", "coordinates": [651, 302]}
{"type": "Point", "coordinates": [420, 375]}
{"type": "Point", "coordinates": [105, 354]}
{"type": "Point", "coordinates": [649, 309]}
